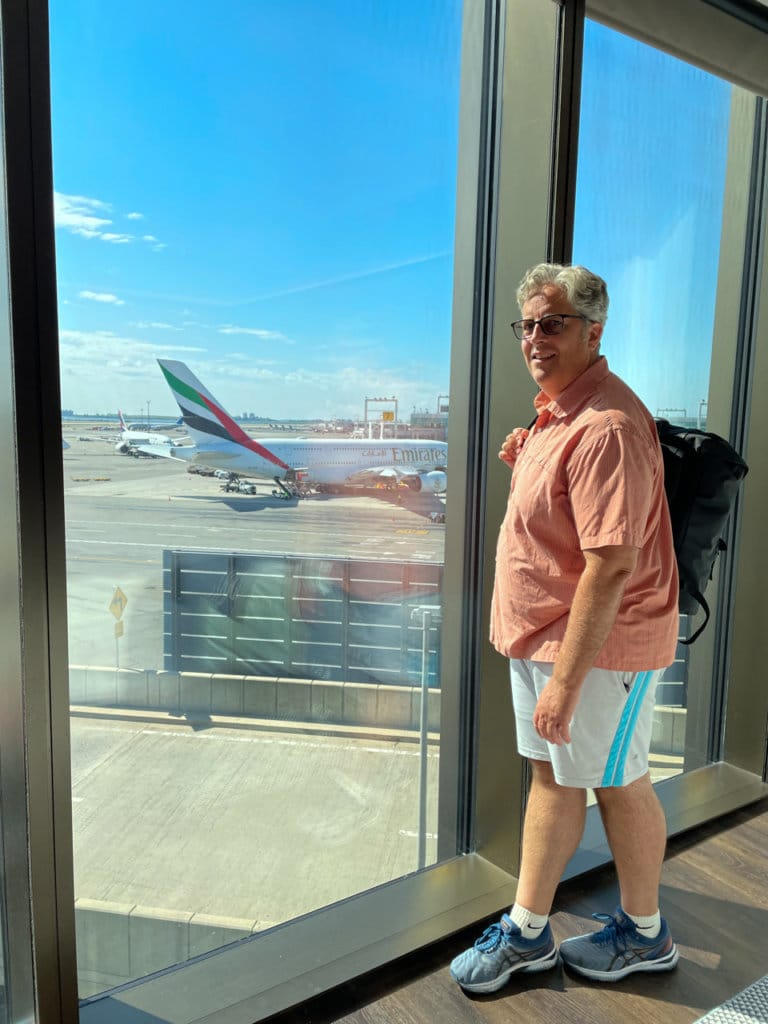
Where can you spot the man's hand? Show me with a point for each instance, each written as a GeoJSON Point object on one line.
{"type": "Point", "coordinates": [593, 613]}
{"type": "Point", "coordinates": [554, 710]}
{"type": "Point", "coordinates": [513, 445]}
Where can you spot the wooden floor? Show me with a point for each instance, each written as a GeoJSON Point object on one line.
{"type": "Point", "coordinates": [714, 894]}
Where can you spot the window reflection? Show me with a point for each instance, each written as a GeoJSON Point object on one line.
{"type": "Point", "coordinates": [649, 210]}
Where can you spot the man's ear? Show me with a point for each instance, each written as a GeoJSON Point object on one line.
{"type": "Point", "coordinates": [594, 336]}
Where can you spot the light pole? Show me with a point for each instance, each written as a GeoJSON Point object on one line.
{"type": "Point", "coordinates": [148, 419]}
{"type": "Point", "coordinates": [431, 615]}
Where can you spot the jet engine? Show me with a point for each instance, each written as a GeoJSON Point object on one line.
{"type": "Point", "coordinates": [433, 482]}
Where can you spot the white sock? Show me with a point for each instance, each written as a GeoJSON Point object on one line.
{"type": "Point", "coordinates": [531, 925]}
{"type": "Point", "coordinates": [649, 927]}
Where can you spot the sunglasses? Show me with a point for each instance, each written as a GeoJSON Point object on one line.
{"type": "Point", "coordinates": [551, 325]}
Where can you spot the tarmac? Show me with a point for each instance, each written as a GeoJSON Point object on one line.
{"type": "Point", "coordinates": [234, 821]}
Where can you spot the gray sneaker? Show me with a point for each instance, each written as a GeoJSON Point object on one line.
{"type": "Point", "coordinates": [619, 949]}
{"type": "Point", "coordinates": [499, 952]}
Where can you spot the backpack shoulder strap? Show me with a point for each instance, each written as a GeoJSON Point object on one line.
{"type": "Point", "coordinates": [698, 596]}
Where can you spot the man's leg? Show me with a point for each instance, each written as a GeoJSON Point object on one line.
{"type": "Point", "coordinates": [637, 938]}
{"type": "Point", "coordinates": [637, 835]}
{"type": "Point", "coordinates": [554, 824]}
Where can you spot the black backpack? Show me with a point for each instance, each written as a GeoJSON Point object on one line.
{"type": "Point", "coordinates": [702, 476]}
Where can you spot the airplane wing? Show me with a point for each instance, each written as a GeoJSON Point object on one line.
{"type": "Point", "coordinates": [179, 452]}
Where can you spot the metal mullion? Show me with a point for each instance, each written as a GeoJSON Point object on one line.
{"type": "Point", "coordinates": [566, 117]}
{"type": "Point", "coordinates": [754, 246]}
{"type": "Point", "coordinates": [40, 566]}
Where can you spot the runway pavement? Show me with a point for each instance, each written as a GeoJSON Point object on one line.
{"type": "Point", "coordinates": [241, 823]}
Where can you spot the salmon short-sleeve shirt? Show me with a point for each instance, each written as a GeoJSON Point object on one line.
{"type": "Point", "coordinates": [590, 475]}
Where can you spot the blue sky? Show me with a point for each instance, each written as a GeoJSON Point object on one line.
{"type": "Point", "coordinates": [293, 165]}
{"type": "Point", "coordinates": [649, 207]}
{"type": "Point", "coordinates": [266, 191]}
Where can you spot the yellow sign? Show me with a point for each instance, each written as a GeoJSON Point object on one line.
{"type": "Point", "coordinates": [388, 417]}
{"type": "Point", "coordinates": [119, 629]}
{"type": "Point", "coordinates": [118, 603]}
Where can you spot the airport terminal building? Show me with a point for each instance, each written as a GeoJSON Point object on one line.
{"type": "Point", "coordinates": [257, 755]}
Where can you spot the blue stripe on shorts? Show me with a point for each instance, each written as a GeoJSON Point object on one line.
{"type": "Point", "coordinates": [617, 755]}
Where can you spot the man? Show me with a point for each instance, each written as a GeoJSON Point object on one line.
{"type": "Point", "coordinates": [585, 608]}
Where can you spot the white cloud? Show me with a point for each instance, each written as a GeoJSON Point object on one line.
{"type": "Point", "coordinates": [144, 324]}
{"type": "Point", "coordinates": [88, 217]}
{"type": "Point", "coordinates": [255, 332]}
{"type": "Point", "coordinates": [79, 214]}
{"type": "Point", "coordinates": [98, 355]}
{"type": "Point", "coordinates": [101, 297]}
{"type": "Point", "coordinates": [101, 371]}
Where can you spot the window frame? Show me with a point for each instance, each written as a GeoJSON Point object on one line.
{"type": "Point", "coordinates": [516, 71]}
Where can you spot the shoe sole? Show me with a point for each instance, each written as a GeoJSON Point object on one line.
{"type": "Point", "coordinates": [665, 963]}
{"type": "Point", "coordinates": [494, 984]}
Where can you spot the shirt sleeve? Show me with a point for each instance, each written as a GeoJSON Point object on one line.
{"type": "Point", "coordinates": [610, 487]}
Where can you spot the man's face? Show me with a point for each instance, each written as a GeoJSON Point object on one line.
{"type": "Point", "coordinates": [555, 361]}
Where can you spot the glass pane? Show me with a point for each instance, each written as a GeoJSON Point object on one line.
{"type": "Point", "coordinates": [264, 201]}
{"type": "Point", "coordinates": [649, 214]}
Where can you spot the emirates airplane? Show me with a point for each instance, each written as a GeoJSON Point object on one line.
{"type": "Point", "coordinates": [132, 437]}
{"type": "Point", "coordinates": [296, 465]}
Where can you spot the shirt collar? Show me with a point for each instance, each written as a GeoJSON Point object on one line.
{"type": "Point", "coordinates": [577, 392]}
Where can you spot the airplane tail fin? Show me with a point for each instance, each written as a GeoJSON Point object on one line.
{"type": "Point", "coordinates": [207, 421]}
{"type": "Point", "coordinates": [121, 420]}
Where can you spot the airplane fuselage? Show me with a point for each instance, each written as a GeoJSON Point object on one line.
{"type": "Point", "coordinates": [326, 461]}
{"type": "Point", "coordinates": [132, 438]}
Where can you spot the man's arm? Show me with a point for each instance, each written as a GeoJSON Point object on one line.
{"type": "Point", "coordinates": [593, 613]}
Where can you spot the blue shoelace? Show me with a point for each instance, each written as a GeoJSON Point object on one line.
{"type": "Point", "coordinates": [615, 933]}
{"type": "Point", "coordinates": [490, 939]}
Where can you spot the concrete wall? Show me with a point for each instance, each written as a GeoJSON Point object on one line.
{"type": "Point", "coordinates": [119, 942]}
{"type": "Point", "coordinates": [375, 705]}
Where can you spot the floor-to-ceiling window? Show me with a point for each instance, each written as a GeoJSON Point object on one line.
{"type": "Point", "coordinates": [651, 200]}
{"type": "Point", "coordinates": [264, 202]}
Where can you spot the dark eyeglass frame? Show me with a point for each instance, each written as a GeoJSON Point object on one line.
{"type": "Point", "coordinates": [551, 325]}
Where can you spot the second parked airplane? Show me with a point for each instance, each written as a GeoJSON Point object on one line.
{"type": "Point", "coordinates": [296, 464]}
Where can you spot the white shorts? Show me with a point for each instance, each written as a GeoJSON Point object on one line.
{"type": "Point", "coordinates": [610, 731]}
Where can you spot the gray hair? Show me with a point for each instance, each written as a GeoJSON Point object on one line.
{"type": "Point", "coordinates": [585, 291]}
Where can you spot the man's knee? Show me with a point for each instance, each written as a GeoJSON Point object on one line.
{"type": "Point", "coordinates": [621, 794]}
{"type": "Point", "coordinates": [541, 772]}
{"type": "Point", "coordinates": [543, 776]}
